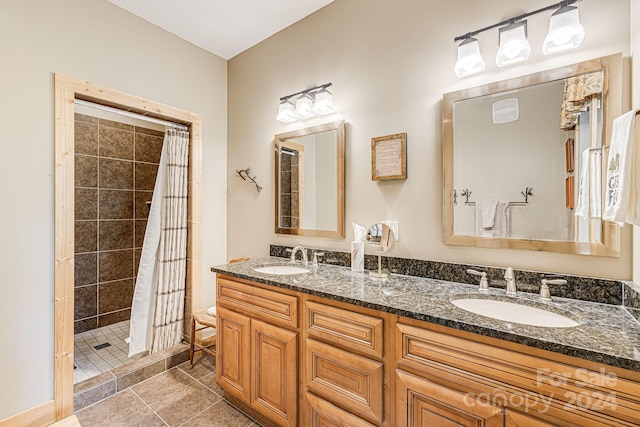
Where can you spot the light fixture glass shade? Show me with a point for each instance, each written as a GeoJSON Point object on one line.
{"type": "Point", "coordinates": [565, 31]}
{"type": "Point", "coordinates": [514, 46]}
{"type": "Point", "coordinates": [324, 102]}
{"type": "Point", "coordinates": [304, 107]}
{"type": "Point", "coordinates": [286, 112]}
{"type": "Point", "coordinates": [469, 58]}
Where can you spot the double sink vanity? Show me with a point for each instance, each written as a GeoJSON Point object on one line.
{"type": "Point", "coordinates": [315, 345]}
{"type": "Point", "coordinates": [312, 344]}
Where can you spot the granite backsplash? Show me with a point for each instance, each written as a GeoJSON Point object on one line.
{"type": "Point", "coordinates": [605, 291]}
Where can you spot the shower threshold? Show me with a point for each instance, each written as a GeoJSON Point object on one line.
{"type": "Point", "coordinates": [111, 371]}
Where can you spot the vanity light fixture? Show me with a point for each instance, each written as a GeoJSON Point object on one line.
{"type": "Point", "coordinates": [565, 32]}
{"type": "Point", "coordinates": [316, 100]}
{"type": "Point", "coordinates": [514, 46]}
{"type": "Point", "coordinates": [470, 60]}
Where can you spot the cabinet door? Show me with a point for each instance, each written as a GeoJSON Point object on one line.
{"type": "Point", "coordinates": [420, 402]}
{"type": "Point", "coordinates": [232, 351]}
{"type": "Point", "coordinates": [516, 419]}
{"type": "Point", "coordinates": [274, 368]}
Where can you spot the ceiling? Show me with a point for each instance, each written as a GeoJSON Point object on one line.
{"type": "Point", "coordinates": [223, 27]}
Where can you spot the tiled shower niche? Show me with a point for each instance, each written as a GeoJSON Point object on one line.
{"type": "Point", "coordinates": [115, 172]}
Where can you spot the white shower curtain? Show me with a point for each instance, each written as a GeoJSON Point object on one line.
{"type": "Point", "coordinates": [157, 312]}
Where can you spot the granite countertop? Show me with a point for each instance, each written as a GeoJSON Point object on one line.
{"type": "Point", "coordinates": [607, 334]}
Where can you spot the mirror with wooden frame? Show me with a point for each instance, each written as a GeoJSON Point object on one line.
{"type": "Point", "coordinates": [310, 181]}
{"type": "Point", "coordinates": [537, 145]}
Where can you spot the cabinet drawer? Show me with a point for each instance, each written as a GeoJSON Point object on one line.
{"type": "Point", "coordinates": [274, 307]}
{"type": "Point", "coordinates": [350, 330]}
{"type": "Point", "coordinates": [556, 389]}
{"type": "Point", "coordinates": [348, 380]}
{"type": "Point", "coordinates": [323, 414]}
{"type": "Point", "coordinates": [425, 403]}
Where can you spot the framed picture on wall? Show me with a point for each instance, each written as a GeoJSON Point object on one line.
{"type": "Point", "coordinates": [389, 157]}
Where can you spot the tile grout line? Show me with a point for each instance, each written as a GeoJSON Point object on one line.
{"type": "Point", "coordinates": [146, 404]}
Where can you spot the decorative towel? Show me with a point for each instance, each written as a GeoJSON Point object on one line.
{"type": "Point", "coordinates": [500, 226]}
{"type": "Point", "coordinates": [621, 199]}
{"type": "Point", "coordinates": [211, 311]}
{"type": "Point", "coordinates": [590, 185]}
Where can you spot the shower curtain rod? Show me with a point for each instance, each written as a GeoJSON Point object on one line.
{"type": "Point", "coordinates": [131, 115]}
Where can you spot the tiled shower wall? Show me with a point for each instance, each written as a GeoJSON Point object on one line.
{"type": "Point", "coordinates": [289, 192]}
{"type": "Point", "coordinates": [115, 172]}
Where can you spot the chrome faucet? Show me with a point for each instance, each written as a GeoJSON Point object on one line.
{"type": "Point", "coordinates": [316, 255]}
{"type": "Point", "coordinates": [510, 278]}
{"type": "Point", "coordinates": [545, 294]}
{"type": "Point", "coordinates": [484, 283]}
{"type": "Point", "coordinates": [295, 250]}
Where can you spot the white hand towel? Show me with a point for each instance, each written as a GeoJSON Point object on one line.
{"type": "Point", "coordinates": [211, 311]}
{"type": "Point", "coordinates": [488, 212]}
{"type": "Point", "coordinates": [500, 227]}
{"type": "Point", "coordinates": [595, 183]}
{"type": "Point", "coordinates": [620, 198]}
{"type": "Point", "coordinates": [582, 206]}
{"type": "Point", "coordinates": [589, 203]}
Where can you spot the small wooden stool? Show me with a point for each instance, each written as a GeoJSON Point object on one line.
{"type": "Point", "coordinates": [207, 321]}
{"type": "Point", "coordinates": [203, 318]}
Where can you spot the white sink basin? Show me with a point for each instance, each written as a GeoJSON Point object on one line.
{"type": "Point", "coordinates": [281, 269]}
{"type": "Point", "coordinates": [516, 313]}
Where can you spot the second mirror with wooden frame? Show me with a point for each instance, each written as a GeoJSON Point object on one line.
{"type": "Point", "coordinates": [309, 178]}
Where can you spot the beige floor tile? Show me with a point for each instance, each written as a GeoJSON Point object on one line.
{"type": "Point", "coordinates": [210, 382]}
{"type": "Point", "coordinates": [202, 367]}
{"type": "Point", "coordinates": [162, 385]}
{"type": "Point", "coordinates": [221, 414]}
{"type": "Point", "coordinates": [111, 410]}
{"type": "Point", "coordinates": [184, 404]}
{"type": "Point", "coordinates": [144, 418]}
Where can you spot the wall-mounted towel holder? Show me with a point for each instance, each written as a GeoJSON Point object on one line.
{"type": "Point", "coordinates": [466, 193]}
{"type": "Point", "coordinates": [244, 174]}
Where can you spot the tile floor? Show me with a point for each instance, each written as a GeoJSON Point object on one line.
{"type": "Point", "coordinates": [182, 396]}
{"type": "Point", "coordinates": [90, 361]}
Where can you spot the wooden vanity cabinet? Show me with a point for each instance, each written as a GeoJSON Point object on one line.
{"type": "Point", "coordinates": [257, 349]}
{"type": "Point", "coordinates": [292, 359]}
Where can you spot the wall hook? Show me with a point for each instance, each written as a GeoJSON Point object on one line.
{"type": "Point", "coordinates": [244, 174]}
{"type": "Point", "coordinates": [528, 191]}
{"type": "Point", "coordinates": [466, 193]}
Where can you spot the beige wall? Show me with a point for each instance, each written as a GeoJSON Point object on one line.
{"type": "Point", "coordinates": [634, 18]}
{"type": "Point", "coordinates": [390, 63]}
{"type": "Point", "coordinates": [98, 42]}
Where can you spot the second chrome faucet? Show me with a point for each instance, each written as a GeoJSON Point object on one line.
{"type": "Point", "coordinates": [510, 279]}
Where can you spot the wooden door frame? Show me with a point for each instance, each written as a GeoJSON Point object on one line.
{"type": "Point", "coordinates": [67, 89]}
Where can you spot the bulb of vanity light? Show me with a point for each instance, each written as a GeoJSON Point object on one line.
{"type": "Point", "coordinates": [286, 112]}
{"type": "Point", "coordinates": [470, 60]}
{"type": "Point", "coordinates": [514, 46]}
{"type": "Point", "coordinates": [324, 103]}
{"type": "Point", "coordinates": [304, 107]}
{"type": "Point", "coordinates": [565, 31]}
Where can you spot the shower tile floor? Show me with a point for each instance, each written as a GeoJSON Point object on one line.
{"type": "Point", "coordinates": [100, 350]}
